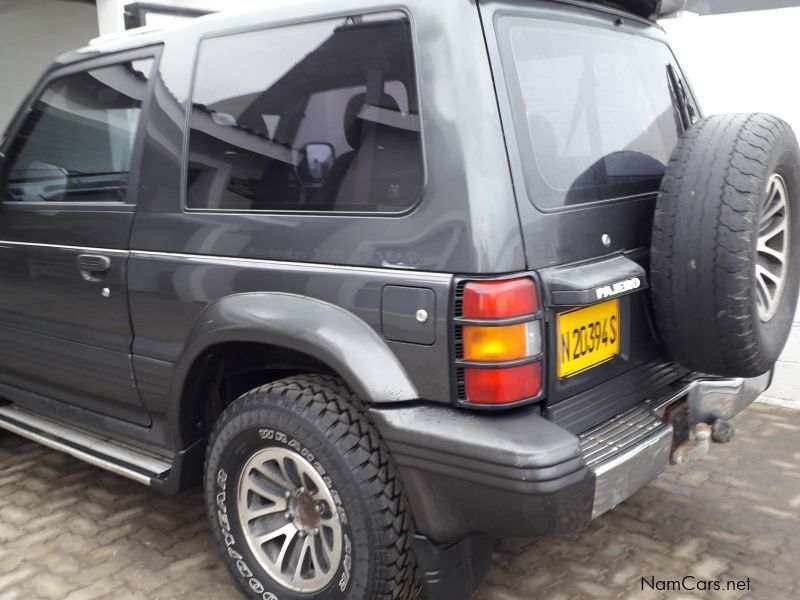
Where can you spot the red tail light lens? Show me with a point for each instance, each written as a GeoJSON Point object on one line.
{"type": "Point", "coordinates": [500, 332]}
{"type": "Point", "coordinates": [503, 386]}
{"type": "Point", "coordinates": [500, 299]}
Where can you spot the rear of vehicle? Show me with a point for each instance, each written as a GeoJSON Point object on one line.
{"type": "Point", "coordinates": [587, 94]}
{"type": "Point", "coordinates": [575, 403]}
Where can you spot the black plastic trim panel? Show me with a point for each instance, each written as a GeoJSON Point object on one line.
{"type": "Point", "coordinates": [453, 571]}
{"type": "Point", "coordinates": [458, 466]}
{"type": "Point", "coordinates": [590, 282]}
{"type": "Point", "coordinates": [598, 404]}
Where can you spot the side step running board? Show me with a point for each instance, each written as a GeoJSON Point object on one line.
{"type": "Point", "coordinates": [86, 446]}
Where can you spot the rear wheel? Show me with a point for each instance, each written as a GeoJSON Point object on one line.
{"type": "Point", "coordinates": [725, 263]}
{"type": "Point", "coordinates": [303, 498]}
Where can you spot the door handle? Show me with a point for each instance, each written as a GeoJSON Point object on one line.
{"type": "Point", "coordinates": [90, 265]}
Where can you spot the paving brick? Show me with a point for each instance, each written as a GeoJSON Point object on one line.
{"type": "Point", "coordinates": [16, 576]}
{"type": "Point", "coordinates": [698, 520]}
{"type": "Point", "coordinates": [70, 531]}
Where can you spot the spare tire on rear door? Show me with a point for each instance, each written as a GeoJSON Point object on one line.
{"type": "Point", "coordinates": [726, 235]}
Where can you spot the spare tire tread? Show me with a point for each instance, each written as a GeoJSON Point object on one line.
{"type": "Point", "coordinates": [702, 275]}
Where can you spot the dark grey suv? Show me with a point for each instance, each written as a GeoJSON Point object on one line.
{"type": "Point", "coordinates": [390, 279]}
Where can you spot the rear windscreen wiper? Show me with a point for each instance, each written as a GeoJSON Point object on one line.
{"type": "Point", "coordinates": [683, 103]}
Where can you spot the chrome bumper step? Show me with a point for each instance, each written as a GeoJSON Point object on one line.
{"type": "Point", "coordinates": [633, 448]}
{"type": "Point", "coordinates": [617, 434]}
{"type": "Point", "coordinates": [84, 445]}
{"type": "Point", "coordinates": [625, 454]}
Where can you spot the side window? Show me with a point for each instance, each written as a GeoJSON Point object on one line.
{"type": "Point", "coordinates": [313, 117]}
{"type": "Point", "coordinates": [76, 144]}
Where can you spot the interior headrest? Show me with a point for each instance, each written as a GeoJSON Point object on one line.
{"type": "Point", "coordinates": [353, 125]}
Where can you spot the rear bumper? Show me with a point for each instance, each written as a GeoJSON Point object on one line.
{"type": "Point", "coordinates": [517, 474]}
{"type": "Point", "coordinates": [718, 398]}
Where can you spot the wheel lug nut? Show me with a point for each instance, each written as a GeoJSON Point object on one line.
{"type": "Point", "coordinates": [318, 508]}
{"type": "Point", "coordinates": [288, 515]}
{"type": "Point", "coordinates": [287, 494]}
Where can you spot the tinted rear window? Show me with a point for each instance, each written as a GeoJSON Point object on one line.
{"type": "Point", "coordinates": [316, 117]}
{"type": "Point", "coordinates": [592, 109]}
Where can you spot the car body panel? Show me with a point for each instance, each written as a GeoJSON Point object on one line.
{"type": "Point", "coordinates": [65, 332]}
{"type": "Point", "coordinates": [176, 302]}
{"type": "Point", "coordinates": [466, 221]}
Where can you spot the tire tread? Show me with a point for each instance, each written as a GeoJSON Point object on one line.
{"type": "Point", "coordinates": [703, 243]}
{"type": "Point", "coordinates": [327, 401]}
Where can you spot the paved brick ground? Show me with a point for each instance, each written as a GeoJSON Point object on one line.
{"type": "Point", "coordinates": [732, 516]}
{"type": "Point", "coordinates": [68, 530]}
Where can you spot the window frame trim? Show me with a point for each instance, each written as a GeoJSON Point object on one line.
{"type": "Point", "coordinates": [56, 72]}
{"type": "Point", "coordinates": [284, 24]}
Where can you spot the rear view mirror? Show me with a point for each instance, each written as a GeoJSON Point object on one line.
{"type": "Point", "coordinates": [39, 180]}
{"type": "Point", "coordinates": [46, 180]}
{"type": "Point", "coordinates": [319, 159]}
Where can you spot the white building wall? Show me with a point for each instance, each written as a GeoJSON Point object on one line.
{"type": "Point", "coordinates": [110, 12]}
{"type": "Point", "coordinates": [32, 34]}
{"type": "Point", "coordinates": [745, 62]}
{"type": "Point", "coordinates": [742, 62]}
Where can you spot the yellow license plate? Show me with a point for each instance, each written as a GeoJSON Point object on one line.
{"type": "Point", "coordinates": [587, 337]}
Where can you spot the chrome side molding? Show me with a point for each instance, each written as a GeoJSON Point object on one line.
{"type": "Point", "coordinates": [717, 397]}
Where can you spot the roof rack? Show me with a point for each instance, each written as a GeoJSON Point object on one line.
{"type": "Point", "coordinates": [648, 9]}
{"type": "Point", "coordinates": [120, 35]}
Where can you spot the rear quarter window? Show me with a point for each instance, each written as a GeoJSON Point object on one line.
{"type": "Point", "coordinates": [319, 117]}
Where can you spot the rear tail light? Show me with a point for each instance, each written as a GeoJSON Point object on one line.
{"type": "Point", "coordinates": [498, 341]}
{"type": "Point", "coordinates": [503, 386]}
{"type": "Point", "coordinates": [500, 299]}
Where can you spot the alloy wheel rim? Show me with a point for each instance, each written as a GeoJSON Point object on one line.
{"type": "Point", "coordinates": [290, 520]}
{"type": "Point", "coordinates": [772, 252]}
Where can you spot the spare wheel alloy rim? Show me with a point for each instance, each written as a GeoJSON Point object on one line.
{"type": "Point", "coordinates": [290, 520]}
{"type": "Point", "coordinates": [772, 254]}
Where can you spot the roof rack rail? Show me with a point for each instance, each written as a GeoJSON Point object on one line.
{"type": "Point", "coordinates": [648, 9]}
{"type": "Point", "coordinates": [110, 37]}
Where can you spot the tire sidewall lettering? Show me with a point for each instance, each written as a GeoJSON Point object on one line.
{"type": "Point", "coordinates": [229, 540]}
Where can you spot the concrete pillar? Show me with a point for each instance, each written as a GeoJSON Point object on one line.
{"type": "Point", "coordinates": [110, 16]}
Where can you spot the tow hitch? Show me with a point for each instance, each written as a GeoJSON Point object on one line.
{"type": "Point", "coordinates": [692, 442]}
{"type": "Point", "coordinates": [695, 448]}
